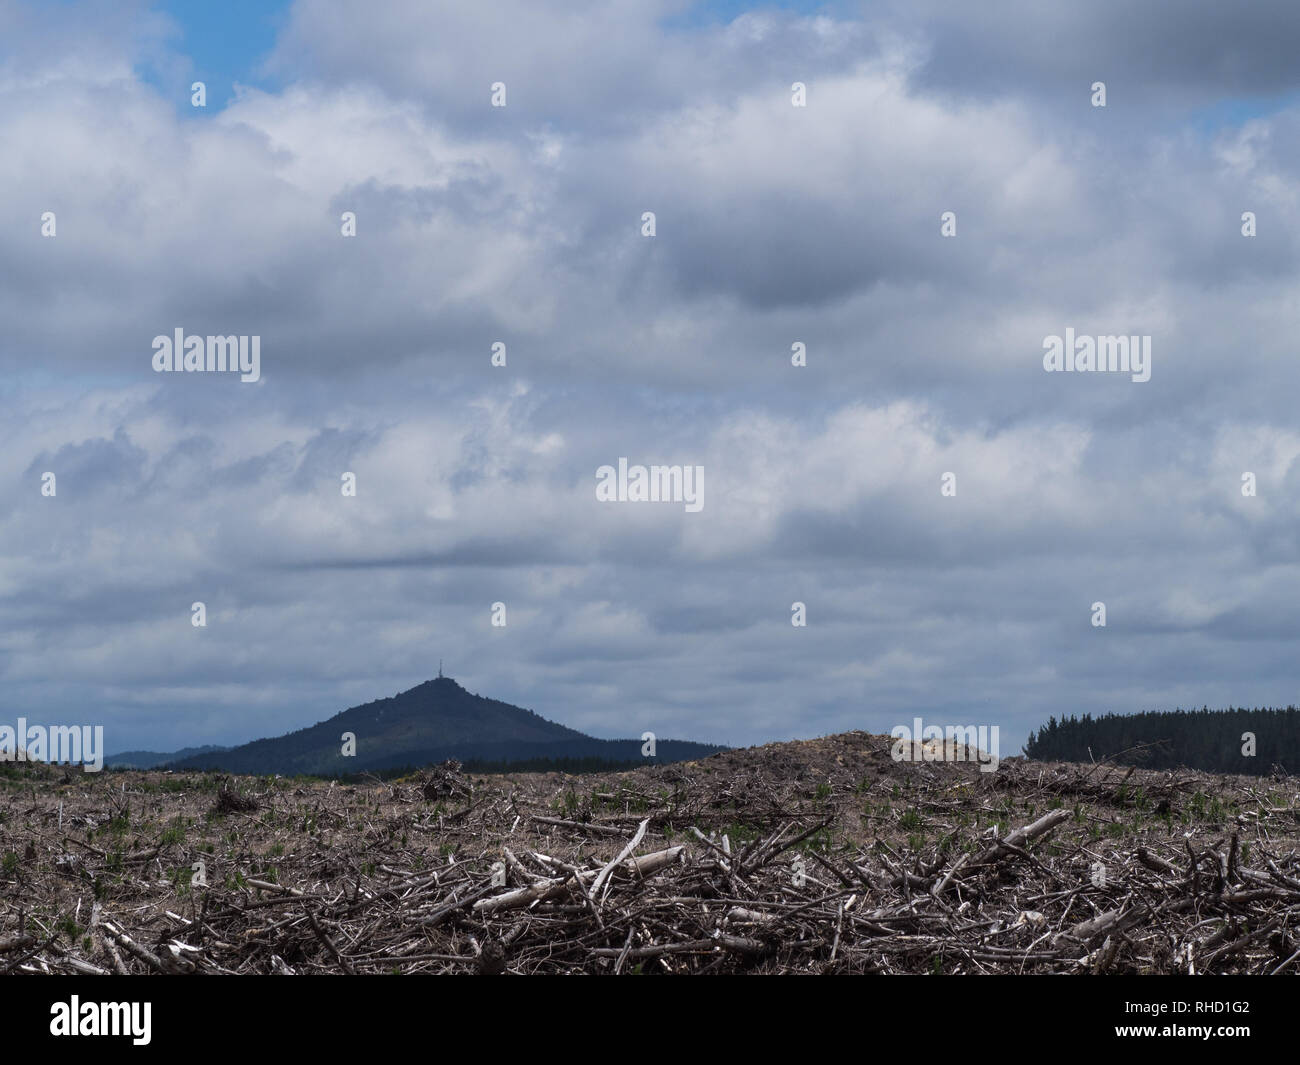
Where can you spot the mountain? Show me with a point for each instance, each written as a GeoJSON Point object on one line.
{"type": "Point", "coordinates": [431, 722]}
{"type": "Point", "coordinates": [153, 759]}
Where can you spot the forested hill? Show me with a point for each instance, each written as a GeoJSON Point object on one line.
{"type": "Point", "coordinates": [431, 722]}
{"type": "Point", "coordinates": [1213, 740]}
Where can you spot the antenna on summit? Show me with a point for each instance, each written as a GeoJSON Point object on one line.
{"type": "Point", "coordinates": [440, 669]}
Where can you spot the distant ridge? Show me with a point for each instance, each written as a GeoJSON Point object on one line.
{"type": "Point", "coordinates": [431, 722]}
{"type": "Point", "coordinates": [153, 759]}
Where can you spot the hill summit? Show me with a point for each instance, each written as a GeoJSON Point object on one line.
{"type": "Point", "coordinates": [431, 722]}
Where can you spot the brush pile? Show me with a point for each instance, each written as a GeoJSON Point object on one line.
{"type": "Point", "coordinates": [822, 856]}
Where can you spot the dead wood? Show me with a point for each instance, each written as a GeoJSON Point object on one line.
{"type": "Point", "coordinates": [822, 856]}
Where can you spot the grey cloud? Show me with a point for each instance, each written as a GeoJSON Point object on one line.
{"type": "Point", "coordinates": [476, 484]}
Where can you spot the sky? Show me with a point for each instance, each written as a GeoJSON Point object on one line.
{"type": "Point", "coordinates": [964, 600]}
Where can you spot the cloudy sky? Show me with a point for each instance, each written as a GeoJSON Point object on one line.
{"type": "Point", "coordinates": [774, 225]}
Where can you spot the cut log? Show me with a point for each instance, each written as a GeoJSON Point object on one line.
{"type": "Point", "coordinates": [549, 889]}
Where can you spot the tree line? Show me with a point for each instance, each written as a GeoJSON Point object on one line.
{"type": "Point", "coordinates": [1236, 740]}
